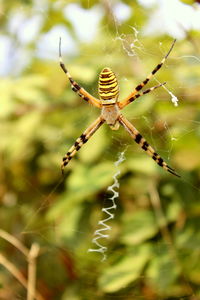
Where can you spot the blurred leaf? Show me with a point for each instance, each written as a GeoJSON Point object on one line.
{"type": "Point", "coordinates": [85, 180]}
{"type": "Point", "coordinates": [141, 163]}
{"type": "Point", "coordinates": [138, 227]}
{"type": "Point", "coordinates": [189, 237]}
{"type": "Point", "coordinates": [82, 183]}
{"type": "Point", "coordinates": [68, 224]}
{"type": "Point", "coordinates": [21, 137]}
{"type": "Point", "coordinates": [83, 74]}
{"type": "Point", "coordinates": [173, 211]}
{"type": "Point", "coordinates": [29, 88]}
{"type": "Point", "coordinates": [193, 268]}
{"type": "Point", "coordinates": [163, 270]}
{"type": "Point", "coordinates": [125, 271]}
{"type": "Point", "coordinates": [8, 106]}
{"type": "Point", "coordinates": [188, 159]}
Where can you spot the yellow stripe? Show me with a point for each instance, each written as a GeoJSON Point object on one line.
{"type": "Point", "coordinates": [108, 86]}
{"type": "Point", "coordinates": [113, 91]}
{"type": "Point", "coordinates": [108, 95]}
{"type": "Point", "coordinates": [112, 78]}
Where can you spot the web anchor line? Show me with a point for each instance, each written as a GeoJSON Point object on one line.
{"type": "Point", "coordinates": [100, 233]}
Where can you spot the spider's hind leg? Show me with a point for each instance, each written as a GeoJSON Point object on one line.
{"type": "Point", "coordinates": [81, 141]}
{"type": "Point", "coordinates": [145, 145]}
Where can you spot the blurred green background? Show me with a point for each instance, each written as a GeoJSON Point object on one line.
{"type": "Point", "coordinates": [154, 244]}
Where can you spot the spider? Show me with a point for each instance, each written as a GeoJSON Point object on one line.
{"type": "Point", "coordinates": [111, 110]}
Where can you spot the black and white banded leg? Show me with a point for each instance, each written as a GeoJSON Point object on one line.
{"type": "Point", "coordinates": [81, 141]}
{"type": "Point", "coordinates": [145, 145]}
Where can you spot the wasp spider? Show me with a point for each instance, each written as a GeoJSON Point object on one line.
{"type": "Point", "coordinates": [111, 110]}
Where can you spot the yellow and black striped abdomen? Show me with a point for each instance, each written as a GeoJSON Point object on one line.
{"type": "Point", "coordinates": [108, 86]}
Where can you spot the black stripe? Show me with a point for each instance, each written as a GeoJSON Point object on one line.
{"type": "Point", "coordinates": [106, 83]}
{"type": "Point", "coordinates": [108, 80]}
{"type": "Point", "coordinates": [146, 80]}
{"type": "Point", "coordinates": [108, 104]}
{"type": "Point", "coordinates": [170, 168]}
{"type": "Point", "coordinates": [108, 88]}
{"type": "Point", "coordinates": [134, 97]}
{"type": "Point", "coordinates": [157, 68]}
{"type": "Point", "coordinates": [173, 172]}
{"type": "Point", "coordinates": [63, 67]}
{"type": "Point", "coordinates": [107, 97]}
{"type": "Point", "coordinates": [83, 138]}
{"type": "Point", "coordinates": [66, 162]}
{"type": "Point", "coordinates": [67, 156]}
{"type": "Point", "coordinates": [77, 146]}
{"type": "Point", "coordinates": [107, 91]}
{"type": "Point", "coordinates": [106, 75]}
{"type": "Point", "coordinates": [77, 87]}
{"type": "Point", "coordinates": [114, 93]}
{"type": "Point", "coordinates": [160, 161]}
{"type": "Point", "coordinates": [155, 156]}
{"type": "Point", "coordinates": [147, 91]}
{"type": "Point", "coordinates": [139, 87]}
{"type": "Point", "coordinates": [138, 138]}
{"type": "Point", "coordinates": [145, 145]}
{"type": "Point", "coordinates": [74, 89]}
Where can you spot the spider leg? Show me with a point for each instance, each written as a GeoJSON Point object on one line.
{"type": "Point", "coordinates": [81, 141]}
{"type": "Point", "coordinates": [75, 86]}
{"type": "Point", "coordinates": [122, 104]}
{"type": "Point", "coordinates": [141, 85]}
{"type": "Point", "coordinates": [144, 145]}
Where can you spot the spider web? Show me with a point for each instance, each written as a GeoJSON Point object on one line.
{"type": "Point", "coordinates": [131, 45]}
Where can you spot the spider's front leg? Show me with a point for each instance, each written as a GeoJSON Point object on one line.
{"type": "Point", "coordinates": [132, 96]}
{"type": "Point", "coordinates": [145, 145]}
{"type": "Point", "coordinates": [75, 86]}
{"type": "Point", "coordinates": [122, 104]}
{"type": "Point", "coordinates": [81, 141]}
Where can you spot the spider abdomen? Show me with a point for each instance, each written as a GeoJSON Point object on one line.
{"type": "Point", "coordinates": [108, 86]}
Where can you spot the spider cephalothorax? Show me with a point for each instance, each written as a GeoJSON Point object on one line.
{"type": "Point", "coordinates": [111, 110]}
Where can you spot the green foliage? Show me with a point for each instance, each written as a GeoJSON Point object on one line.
{"type": "Point", "coordinates": [136, 230]}
{"type": "Point", "coordinates": [126, 270]}
{"type": "Point", "coordinates": [188, 1]}
{"type": "Point", "coordinates": [154, 248]}
{"type": "Point", "coordinates": [162, 271]}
